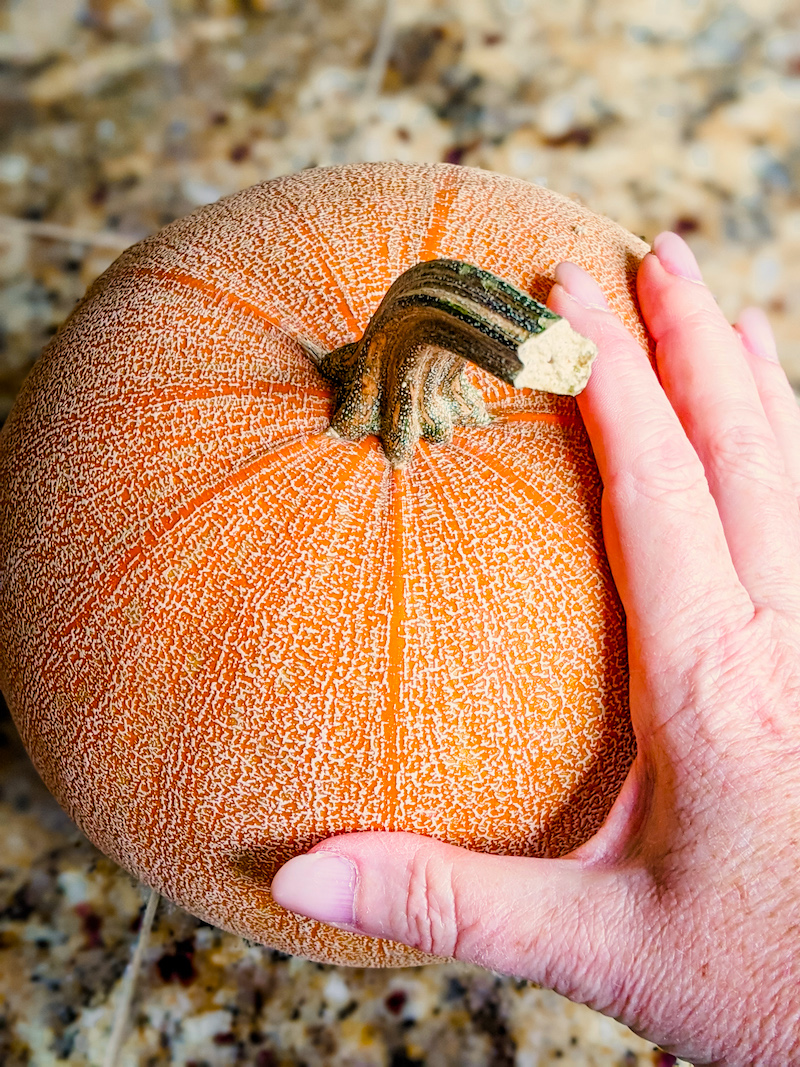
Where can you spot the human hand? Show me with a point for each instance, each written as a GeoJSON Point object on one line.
{"type": "Point", "coordinates": [681, 916]}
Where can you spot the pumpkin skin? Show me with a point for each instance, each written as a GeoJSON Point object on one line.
{"type": "Point", "coordinates": [227, 635]}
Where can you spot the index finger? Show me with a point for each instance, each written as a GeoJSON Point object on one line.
{"type": "Point", "coordinates": [663, 532]}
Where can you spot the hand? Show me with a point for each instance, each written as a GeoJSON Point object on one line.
{"type": "Point", "coordinates": [681, 917]}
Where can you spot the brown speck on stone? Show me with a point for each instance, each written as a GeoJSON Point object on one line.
{"type": "Point", "coordinates": [456, 154]}
{"type": "Point", "coordinates": [578, 135]}
{"type": "Point", "coordinates": [413, 48]}
{"type": "Point", "coordinates": [178, 966]}
{"type": "Point", "coordinates": [395, 1002]}
{"type": "Point", "coordinates": [90, 924]}
{"type": "Point", "coordinates": [323, 1039]}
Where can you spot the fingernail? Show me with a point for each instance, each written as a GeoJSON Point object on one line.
{"type": "Point", "coordinates": [581, 286]}
{"type": "Point", "coordinates": [755, 330]}
{"type": "Point", "coordinates": [320, 885]}
{"type": "Point", "coordinates": [675, 256]}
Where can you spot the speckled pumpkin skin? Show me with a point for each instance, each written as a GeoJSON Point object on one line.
{"type": "Point", "coordinates": [227, 635]}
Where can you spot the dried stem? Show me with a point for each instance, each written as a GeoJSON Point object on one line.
{"type": "Point", "coordinates": [405, 379]}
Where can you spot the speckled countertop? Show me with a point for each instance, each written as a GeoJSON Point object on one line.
{"type": "Point", "coordinates": [117, 116]}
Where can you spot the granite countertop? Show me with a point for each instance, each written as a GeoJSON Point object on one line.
{"type": "Point", "coordinates": [118, 116]}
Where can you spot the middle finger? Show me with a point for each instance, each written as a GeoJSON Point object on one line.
{"type": "Point", "coordinates": [663, 534]}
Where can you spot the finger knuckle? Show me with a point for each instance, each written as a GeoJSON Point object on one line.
{"type": "Point", "coordinates": [665, 469]}
{"type": "Point", "coordinates": [610, 335]}
{"type": "Point", "coordinates": [430, 907]}
{"type": "Point", "coordinates": [704, 323]}
{"type": "Point", "coordinates": [743, 451]}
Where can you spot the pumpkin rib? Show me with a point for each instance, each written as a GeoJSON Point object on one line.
{"type": "Point", "coordinates": [396, 645]}
{"type": "Point", "coordinates": [165, 525]}
{"type": "Point", "coordinates": [547, 512]}
{"type": "Point", "coordinates": [255, 390]}
{"type": "Point", "coordinates": [441, 210]}
{"type": "Point", "coordinates": [511, 482]}
{"type": "Point", "coordinates": [456, 521]}
{"type": "Point", "coordinates": [469, 446]}
{"type": "Point", "coordinates": [342, 302]}
{"type": "Point", "coordinates": [253, 603]}
{"type": "Point", "coordinates": [551, 417]}
{"type": "Point", "coordinates": [233, 299]}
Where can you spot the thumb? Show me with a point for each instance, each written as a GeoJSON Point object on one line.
{"type": "Point", "coordinates": [557, 922]}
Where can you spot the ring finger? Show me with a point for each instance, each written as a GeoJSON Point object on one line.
{"type": "Point", "coordinates": [714, 394]}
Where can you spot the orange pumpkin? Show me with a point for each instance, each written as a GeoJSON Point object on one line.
{"type": "Point", "coordinates": [228, 633]}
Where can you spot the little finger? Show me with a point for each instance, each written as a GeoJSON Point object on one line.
{"type": "Point", "coordinates": [777, 396]}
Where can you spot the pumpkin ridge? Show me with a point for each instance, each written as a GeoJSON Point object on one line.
{"type": "Point", "coordinates": [151, 536]}
{"type": "Point", "coordinates": [310, 231]}
{"type": "Point", "coordinates": [441, 209]}
{"type": "Point", "coordinates": [449, 508]}
{"type": "Point", "coordinates": [428, 457]}
{"type": "Point", "coordinates": [191, 282]}
{"type": "Point", "coordinates": [257, 390]}
{"type": "Point", "coordinates": [396, 643]}
{"type": "Point", "coordinates": [549, 417]}
{"type": "Point", "coordinates": [513, 481]}
{"type": "Point", "coordinates": [233, 300]}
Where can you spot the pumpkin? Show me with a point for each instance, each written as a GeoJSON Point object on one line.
{"type": "Point", "coordinates": [228, 632]}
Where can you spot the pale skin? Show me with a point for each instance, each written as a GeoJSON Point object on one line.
{"type": "Point", "coordinates": [681, 916]}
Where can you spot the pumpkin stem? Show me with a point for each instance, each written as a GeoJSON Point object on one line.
{"type": "Point", "coordinates": [406, 379]}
